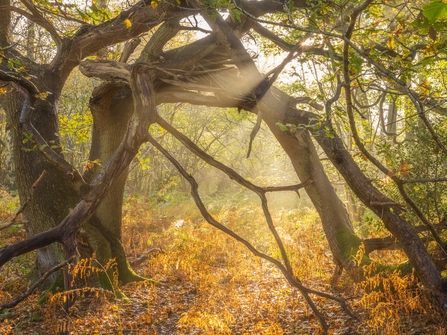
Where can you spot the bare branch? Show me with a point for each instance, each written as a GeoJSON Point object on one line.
{"type": "Point", "coordinates": [254, 131]}
{"type": "Point", "coordinates": [31, 289]}
{"type": "Point", "coordinates": [261, 30]}
{"type": "Point", "coordinates": [295, 282]}
{"type": "Point", "coordinates": [129, 48]}
{"type": "Point", "coordinates": [18, 79]}
{"type": "Point", "coordinates": [153, 50]}
{"type": "Point", "coordinates": [424, 180]}
{"type": "Point", "coordinates": [25, 203]}
{"type": "Point", "coordinates": [38, 18]}
{"type": "Point", "coordinates": [360, 145]}
{"type": "Point", "coordinates": [52, 156]}
{"type": "Point", "coordinates": [142, 258]}
{"type": "Point", "coordinates": [106, 70]}
{"type": "Point", "coordinates": [5, 24]}
{"type": "Point", "coordinates": [143, 93]}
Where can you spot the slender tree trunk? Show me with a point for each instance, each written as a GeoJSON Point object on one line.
{"type": "Point", "coordinates": [389, 212]}
{"type": "Point", "coordinates": [334, 217]}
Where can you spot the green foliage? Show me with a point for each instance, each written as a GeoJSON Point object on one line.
{"type": "Point", "coordinates": [78, 127]}
{"type": "Point", "coordinates": [435, 10]}
{"type": "Point", "coordinates": [75, 118]}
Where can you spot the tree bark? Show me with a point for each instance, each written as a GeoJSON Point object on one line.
{"type": "Point", "coordinates": [334, 218]}
{"type": "Point", "coordinates": [54, 196]}
{"type": "Point", "coordinates": [112, 107]}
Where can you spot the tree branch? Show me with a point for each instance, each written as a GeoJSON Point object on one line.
{"type": "Point", "coordinates": [129, 48]}
{"type": "Point", "coordinates": [65, 231]}
{"type": "Point", "coordinates": [51, 155]}
{"type": "Point", "coordinates": [38, 18]}
{"type": "Point", "coordinates": [31, 289]}
{"type": "Point", "coordinates": [261, 30]}
{"type": "Point", "coordinates": [295, 282]}
{"type": "Point", "coordinates": [355, 135]}
{"type": "Point", "coordinates": [25, 203]}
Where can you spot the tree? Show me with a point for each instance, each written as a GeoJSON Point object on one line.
{"type": "Point", "coordinates": [216, 70]}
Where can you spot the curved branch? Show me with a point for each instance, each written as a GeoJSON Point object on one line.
{"type": "Point", "coordinates": [19, 80]}
{"type": "Point", "coordinates": [31, 289]}
{"type": "Point", "coordinates": [89, 39]}
{"type": "Point", "coordinates": [357, 102]}
{"type": "Point", "coordinates": [218, 165]}
{"type": "Point", "coordinates": [51, 155]}
{"type": "Point", "coordinates": [254, 131]}
{"type": "Point", "coordinates": [363, 150]}
{"type": "Point", "coordinates": [25, 203]}
{"type": "Point", "coordinates": [295, 282]}
{"type": "Point", "coordinates": [68, 228]}
{"type": "Point", "coordinates": [38, 18]}
{"type": "Point", "coordinates": [261, 30]}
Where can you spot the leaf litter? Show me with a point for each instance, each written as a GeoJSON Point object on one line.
{"type": "Point", "coordinates": [203, 282]}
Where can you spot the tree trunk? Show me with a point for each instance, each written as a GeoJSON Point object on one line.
{"type": "Point", "coordinates": [112, 107]}
{"type": "Point", "coordinates": [334, 217]}
{"type": "Point", "coordinates": [389, 212]}
{"type": "Point", "coordinates": [53, 197]}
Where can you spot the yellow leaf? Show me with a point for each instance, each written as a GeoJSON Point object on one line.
{"type": "Point", "coordinates": [154, 4]}
{"type": "Point", "coordinates": [42, 95]}
{"type": "Point", "coordinates": [391, 43]}
{"type": "Point", "coordinates": [127, 23]}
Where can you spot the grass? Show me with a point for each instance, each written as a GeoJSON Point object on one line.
{"type": "Point", "coordinates": [204, 282]}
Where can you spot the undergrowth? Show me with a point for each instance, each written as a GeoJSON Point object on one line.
{"type": "Point", "coordinates": [204, 282]}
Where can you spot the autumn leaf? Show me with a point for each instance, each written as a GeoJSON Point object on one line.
{"type": "Point", "coordinates": [154, 4]}
{"type": "Point", "coordinates": [42, 95]}
{"type": "Point", "coordinates": [127, 23]}
{"type": "Point", "coordinates": [405, 169]}
{"type": "Point", "coordinates": [391, 44]}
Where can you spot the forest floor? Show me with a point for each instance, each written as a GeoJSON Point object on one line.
{"type": "Point", "coordinates": [204, 282]}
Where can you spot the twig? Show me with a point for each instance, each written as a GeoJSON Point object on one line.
{"type": "Point", "coordinates": [424, 180]}
{"type": "Point", "coordinates": [386, 204]}
{"type": "Point", "coordinates": [254, 131]}
{"type": "Point", "coordinates": [22, 208]}
{"type": "Point", "coordinates": [144, 256]}
{"type": "Point", "coordinates": [11, 223]}
{"type": "Point", "coordinates": [218, 165]}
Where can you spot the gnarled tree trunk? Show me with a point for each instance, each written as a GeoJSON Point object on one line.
{"type": "Point", "coordinates": [112, 107]}
{"type": "Point", "coordinates": [53, 197]}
